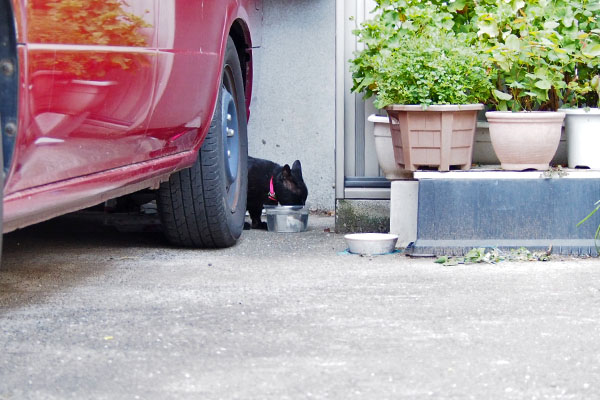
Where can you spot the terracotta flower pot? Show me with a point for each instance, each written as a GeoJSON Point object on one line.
{"type": "Point", "coordinates": [438, 136]}
{"type": "Point", "coordinates": [525, 140]}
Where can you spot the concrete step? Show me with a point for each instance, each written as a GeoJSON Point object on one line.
{"type": "Point", "coordinates": [460, 210]}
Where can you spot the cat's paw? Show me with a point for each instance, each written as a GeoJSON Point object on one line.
{"type": "Point", "coordinates": [259, 225]}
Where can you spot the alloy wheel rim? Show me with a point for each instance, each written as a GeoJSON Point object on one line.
{"type": "Point", "coordinates": [231, 139]}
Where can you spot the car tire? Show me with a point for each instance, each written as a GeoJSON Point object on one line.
{"type": "Point", "coordinates": [204, 206]}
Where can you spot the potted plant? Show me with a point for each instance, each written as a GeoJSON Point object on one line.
{"type": "Point", "coordinates": [582, 126]}
{"type": "Point", "coordinates": [384, 148]}
{"type": "Point", "coordinates": [430, 80]}
{"type": "Point", "coordinates": [541, 51]}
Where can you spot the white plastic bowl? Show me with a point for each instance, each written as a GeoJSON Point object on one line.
{"type": "Point", "coordinates": [371, 243]}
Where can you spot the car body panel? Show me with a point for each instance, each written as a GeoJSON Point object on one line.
{"type": "Point", "coordinates": [87, 94]}
{"type": "Point", "coordinates": [109, 106]}
{"type": "Point", "coordinates": [181, 106]}
{"type": "Point", "coordinates": [40, 203]}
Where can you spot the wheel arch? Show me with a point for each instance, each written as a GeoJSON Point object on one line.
{"type": "Point", "coordinates": [9, 83]}
{"type": "Point", "coordinates": [240, 34]}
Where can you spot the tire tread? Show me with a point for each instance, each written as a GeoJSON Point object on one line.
{"type": "Point", "coordinates": [191, 204]}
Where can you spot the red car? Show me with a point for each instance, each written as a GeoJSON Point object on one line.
{"type": "Point", "coordinates": [103, 98]}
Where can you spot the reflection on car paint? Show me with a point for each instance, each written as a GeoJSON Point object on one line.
{"type": "Point", "coordinates": [91, 80]}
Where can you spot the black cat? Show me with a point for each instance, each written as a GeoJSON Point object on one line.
{"type": "Point", "coordinates": [271, 184]}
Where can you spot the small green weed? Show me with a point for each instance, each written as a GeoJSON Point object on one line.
{"type": "Point", "coordinates": [495, 255]}
{"type": "Point", "coordinates": [597, 235]}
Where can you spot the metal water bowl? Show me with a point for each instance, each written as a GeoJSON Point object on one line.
{"type": "Point", "coordinates": [286, 218]}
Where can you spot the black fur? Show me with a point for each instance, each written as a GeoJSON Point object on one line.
{"type": "Point", "coordinates": [288, 185]}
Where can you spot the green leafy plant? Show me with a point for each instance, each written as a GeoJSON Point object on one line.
{"type": "Point", "coordinates": [595, 84]}
{"type": "Point", "coordinates": [412, 55]}
{"type": "Point", "coordinates": [492, 256]}
{"type": "Point", "coordinates": [432, 69]}
{"type": "Point", "coordinates": [546, 52]}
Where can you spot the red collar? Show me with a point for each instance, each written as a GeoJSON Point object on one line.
{"type": "Point", "coordinates": [271, 193]}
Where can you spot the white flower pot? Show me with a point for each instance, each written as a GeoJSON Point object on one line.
{"type": "Point", "coordinates": [583, 137]}
{"type": "Point", "coordinates": [384, 148]}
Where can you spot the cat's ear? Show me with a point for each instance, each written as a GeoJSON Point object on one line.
{"type": "Point", "coordinates": [297, 168]}
{"type": "Point", "coordinates": [286, 172]}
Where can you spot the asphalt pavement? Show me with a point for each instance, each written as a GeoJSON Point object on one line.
{"type": "Point", "coordinates": [91, 312]}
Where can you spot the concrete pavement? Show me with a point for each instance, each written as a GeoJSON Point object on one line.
{"type": "Point", "coordinates": [91, 313]}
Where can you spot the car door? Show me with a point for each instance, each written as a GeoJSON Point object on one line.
{"type": "Point", "coordinates": [188, 75]}
{"type": "Point", "coordinates": [91, 73]}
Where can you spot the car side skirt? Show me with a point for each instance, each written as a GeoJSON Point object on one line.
{"type": "Point", "coordinates": [41, 203]}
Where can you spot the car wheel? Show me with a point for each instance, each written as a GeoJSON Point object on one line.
{"type": "Point", "coordinates": [205, 205]}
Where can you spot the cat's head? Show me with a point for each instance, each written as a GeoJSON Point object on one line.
{"type": "Point", "coordinates": [289, 186]}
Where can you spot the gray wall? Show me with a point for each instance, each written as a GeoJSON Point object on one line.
{"type": "Point", "coordinates": [293, 104]}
